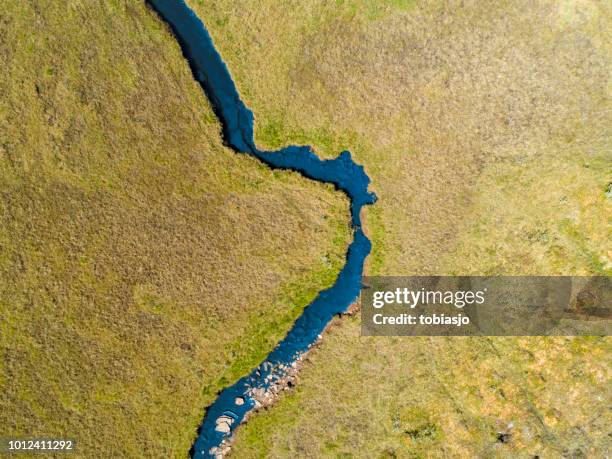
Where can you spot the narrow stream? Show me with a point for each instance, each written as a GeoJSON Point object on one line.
{"type": "Point", "coordinates": [234, 402]}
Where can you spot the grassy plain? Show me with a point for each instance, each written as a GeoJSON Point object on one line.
{"type": "Point", "coordinates": [485, 127]}
{"type": "Point", "coordinates": [143, 266]}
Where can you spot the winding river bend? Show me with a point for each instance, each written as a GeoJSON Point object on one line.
{"type": "Point", "coordinates": [234, 402]}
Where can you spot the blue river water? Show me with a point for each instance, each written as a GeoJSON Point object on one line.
{"type": "Point", "coordinates": [234, 402]}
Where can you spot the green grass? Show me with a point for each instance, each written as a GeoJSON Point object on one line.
{"type": "Point", "coordinates": [438, 114]}
{"type": "Point", "coordinates": [439, 397]}
{"type": "Point", "coordinates": [143, 266]}
{"type": "Point", "coordinates": [131, 289]}
{"type": "Point", "coordinates": [485, 130]}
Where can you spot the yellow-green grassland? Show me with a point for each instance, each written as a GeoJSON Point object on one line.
{"type": "Point", "coordinates": [486, 129]}
{"type": "Point", "coordinates": [143, 265]}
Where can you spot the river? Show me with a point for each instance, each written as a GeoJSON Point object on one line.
{"type": "Point", "coordinates": [236, 401]}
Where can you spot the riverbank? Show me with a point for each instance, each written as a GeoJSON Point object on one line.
{"type": "Point", "coordinates": [266, 398]}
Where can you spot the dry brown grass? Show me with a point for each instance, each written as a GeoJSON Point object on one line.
{"type": "Point", "coordinates": [143, 266]}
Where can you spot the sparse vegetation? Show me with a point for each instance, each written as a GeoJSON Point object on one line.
{"type": "Point", "coordinates": [143, 266]}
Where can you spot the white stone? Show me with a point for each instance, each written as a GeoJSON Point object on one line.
{"type": "Point", "coordinates": [223, 427]}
